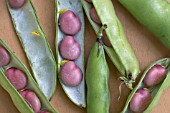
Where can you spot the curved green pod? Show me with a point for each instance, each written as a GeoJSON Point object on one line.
{"type": "Point", "coordinates": [97, 75]}
{"type": "Point", "coordinates": [76, 94]}
{"type": "Point", "coordinates": [17, 99]}
{"type": "Point", "coordinates": [36, 47]}
{"type": "Point", "coordinates": [153, 14]}
{"type": "Point", "coordinates": [156, 90]}
{"type": "Point", "coordinates": [121, 52]}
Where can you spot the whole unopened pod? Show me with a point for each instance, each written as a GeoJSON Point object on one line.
{"type": "Point", "coordinates": [97, 75]}
{"type": "Point", "coordinates": [153, 14]}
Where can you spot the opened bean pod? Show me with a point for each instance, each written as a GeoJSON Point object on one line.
{"type": "Point", "coordinates": [70, 49]}
{"type": "Point", "coordinates": [121, 53]}
{"type": "Point", "coordinates": [97, 76]}
{"type": "Point", "coordinates": [145, 95]}
{"type": "Point", "coordinates": [152, 14]}
{"type": "Point", "coordinates": [19, 83]}
{"type": "Point", "coordinates": [35, 44]}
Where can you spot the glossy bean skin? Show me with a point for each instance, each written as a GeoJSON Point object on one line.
{"type": "Point", "coordinates": [70, 74]}
{"type": "Point", "coordinates": [4, 56]}
{"type": "Point", "coordinates": [120, 52]}
{"type": "Point", "coordinates": [155, 75]}
{"type": "Point", "coordinates": [16, 77]}
{"type": "Point", "coordinates": [94, 16]}
{"type": "Point", "coordinates": [32, 100]}
{"type": "Point", "coordinates": [140, 101]}
{"type": "Point", "coordinates": [36, 46]}
{"type": "Point", "coordinates": [98, 96]}
{"type": "Point", "coordinates": [69, 48]}
{"type": "Point", "coordinates": [69, 23]}
{"type": "Point", "coordinates": [17, 99]}
{"type": "Point", "coordinates": [152, 14]}
{"type": "Point", "coordinates": [16, 4]}
{"type": "Point", "coordinates": [155, 91]}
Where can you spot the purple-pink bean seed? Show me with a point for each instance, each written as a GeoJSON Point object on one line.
{"type": "Point", "coordinates": [69, 48]}
{"type": "Point", "coordinates": [155, 75]}
{"type": "Point", "coordinates": [16, 4]}
{"type": "Point", "coordinates": [70, 74]}
{"type": "Point", "coordinates": [4, 56]}
{"type": "Point", "coordinates": [31, 98]}
{"type": "Point", "coordinates": [140, 101]}
{"type": "Point", "coordinates": [69, 23]}
{"type": "Point", "coordinates": [43, 111]}
{"type": "Point", "coordinates": [94, 16]}
{"type": "Point", "coordinates": [106, 40]}
{"type": "Point", "coordinates": [90, 1]}
{"type": "Point", "coordinates": [16, 77]}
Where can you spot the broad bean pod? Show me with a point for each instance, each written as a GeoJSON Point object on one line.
{"type": "Point", "coordinates": [36, 46]}
{"type": "Point", "coordinates": [156, 90]}
{"type": "Point", "coordinates": [17, 99]}
{"type": "Point", "coordinates": [121, 52]}
{"type": "Point", "coordinates": [70, 24]}
{"type": "Point", "coordinates": [97, 76]}
{"type": "Point", "coordinates": [152, 14]}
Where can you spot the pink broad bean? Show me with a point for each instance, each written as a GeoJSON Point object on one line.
{"type": "Point", "coordinates": [70, 74]}
{"type": "Point", "coordinates": [69, 23]}
{"type": "Point", "coordinates": [154, 76]}
{"type": "Point", "coordinates": [16, 4]}
{"type": "Point", "coordinates": [32, 100]}
{"type": "Point", "coordinates": [140, 101]}
{"type": "Point", "coordinates": [69, 48]}
{"type": "Point", "coordinates": [4, 56]}
{"type": "Point", "coordinates": [90, 1]}
{"type": "Point", "coordinates": [94, 16]}
{"type": "Point", "coordinates": [16, 77]}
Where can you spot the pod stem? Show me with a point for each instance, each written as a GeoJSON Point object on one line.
{"type": "Point", "coordinates": [99, 36]}
{"type": "Point", "coordinates": [127, 82]}
{"type": "Point", "coordinates": [120, 91]}
{"type": "Point", "coordinates": [100, 32]}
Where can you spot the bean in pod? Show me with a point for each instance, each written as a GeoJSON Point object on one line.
{"type": "Point", "coordinates": [152, 14]}
{"type": "Point", "coordinates": [35, 44]}
{"type": "Point", "coordinates": [153, 82]}
{"type": "Point", "coordinates": [19, 83]}
{"type": "Point", "coordinates": [4, 56]}
{"type": "Point", "coordinates": [70, 49]}
{"type": "Point", "coordinates": [120, 52]}
{"type": "Point", "coordinates": [97, 75]}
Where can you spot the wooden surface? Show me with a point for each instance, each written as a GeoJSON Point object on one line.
{"type": "Point", "coordinates": [147, 49]}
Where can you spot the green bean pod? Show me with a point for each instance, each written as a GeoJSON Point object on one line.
{"type": "Point", "coordinates": [75, 93]}
{"type": "Point", "coordinates": [36, 46]}
{"type": "Point", "coordinates": [17, 99]}
{"type": "Point", "coordinates": [97, 75]}
{"type": "Point", "coordinates": [152, 14]}
{"type": "Point", "coordinates": [121, 52]}
{"type": "Point", "coordinates": [155, 91]}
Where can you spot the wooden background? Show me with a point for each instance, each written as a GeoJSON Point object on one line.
{"type": "Point", "coordinates": [147, 49]}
